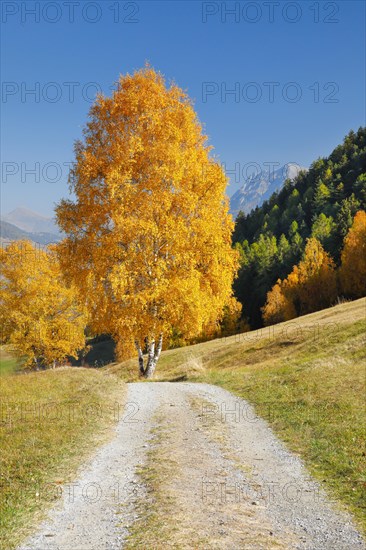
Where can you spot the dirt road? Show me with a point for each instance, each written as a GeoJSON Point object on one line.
{"type": "Point", "coordinates": [191, 466]}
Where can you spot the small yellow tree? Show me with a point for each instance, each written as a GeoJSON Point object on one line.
{"type": "Point", "coordinates": [41, 319]}
{"type": "Point", "coordinates": [317, 280]}
{"type": "Point", "coordinates": [353, 267]}
{"type": "Point", "coordinates": [311, 285]}
{"type": "Point", "coordinates": [149, 235]}
{"type": "Point", "coordinates": [279, 306]}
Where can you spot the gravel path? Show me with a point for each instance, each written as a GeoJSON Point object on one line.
{"type": "Point", "coordinates": [237, 483]}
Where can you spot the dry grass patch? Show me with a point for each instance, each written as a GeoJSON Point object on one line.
{"type": "Point", "coordinates": [50, 421]}
{"type": "Point", "coordinates": [156, 524]}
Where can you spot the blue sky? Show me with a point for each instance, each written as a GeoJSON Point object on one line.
{"type": "Point", "coordinates": [297, 70]}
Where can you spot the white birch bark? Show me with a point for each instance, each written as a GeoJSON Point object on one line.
{"type": "Point", "coordinates": [153, 356]}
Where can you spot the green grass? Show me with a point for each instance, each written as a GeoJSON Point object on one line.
{"type": "Point", "coordinates": [307, 378]}
{"type": "Point", "coordinates": [7, 366]}
{"type": "Point", "coordinates": [8, 363]}
{"type": "Point", "coordinates": [50, 421]}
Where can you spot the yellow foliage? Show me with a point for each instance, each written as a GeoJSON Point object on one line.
{"type": "Point", "coordinates": [317, 281]}
{"type": "Point", "coordinates": [353, 268]}
{"type": "Point", "coordinates": [39, 315]}
{"type": "Point", "coordinates": [231, 323]}
{"type": "Point", "coordinates": [149, 236]}
{"type": "Point", "coordinates": [312, 285]}
{"type": "Point", "coordinates": [278, 307]}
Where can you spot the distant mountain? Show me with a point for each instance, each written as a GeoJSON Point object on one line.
{"type": "Point", "coordinates": [259, 187]}
{"type": "Point", "coordinates": [23, 223]}
{"type": "Point", "coordinates": [10, 232]}
{"type": "Point", "coordinates": [30, 221]}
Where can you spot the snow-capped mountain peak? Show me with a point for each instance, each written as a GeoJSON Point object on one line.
{"type": "Point", "coordinates": [258, 187]}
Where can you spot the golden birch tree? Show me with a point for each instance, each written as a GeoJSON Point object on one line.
{"type": "Point", "coordinates": [149, 234]}
{"type": "Point", "coordinates": [40, 316]}
{"type": "Point", "coordinates": [311, 285]}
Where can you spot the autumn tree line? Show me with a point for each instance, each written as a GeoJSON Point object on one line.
{"type": "Point", "coordinates": [152, 256]}
{"type": "Point", "coordinates": [315, 282]}
{"type": "Point", "coordinates": [300, 241]}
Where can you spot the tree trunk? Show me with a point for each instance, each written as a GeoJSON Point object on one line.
{"type": "Point", "coordinates": [141, 358]}
{"type": "Point", "coordinates": [153, 354]}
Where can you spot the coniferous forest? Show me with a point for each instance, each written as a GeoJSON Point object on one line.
{"type": "Point", "coordinates": [316, 208]}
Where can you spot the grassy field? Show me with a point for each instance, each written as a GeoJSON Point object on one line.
{"type": "Point", "coordinates": [307, 377]}
{"type": "Point", "coordinates": [50, 422]}
{"type": "Point", "coordinates": [8, 364]}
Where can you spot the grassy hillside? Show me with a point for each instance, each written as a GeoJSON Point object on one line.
{"type": "Point", "coordinates": [306, 377]}
{"type": "Point", "coordinates": [50, 421]}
